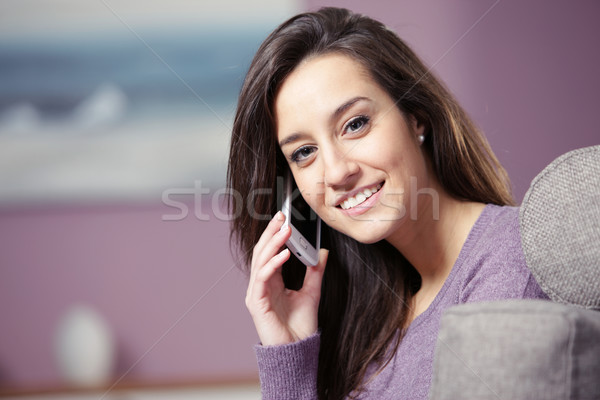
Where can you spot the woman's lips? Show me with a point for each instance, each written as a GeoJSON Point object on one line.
{"type": "Point", "coordinates": [359, 197]}
{"type": "Point", "coordinates": [362, 201]}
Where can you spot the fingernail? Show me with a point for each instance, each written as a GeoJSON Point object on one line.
{"type": "Point", "coordinates": [279, 216]}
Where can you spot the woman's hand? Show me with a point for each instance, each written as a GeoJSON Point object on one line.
{"type": "Point", "coordinates": [281, 315]}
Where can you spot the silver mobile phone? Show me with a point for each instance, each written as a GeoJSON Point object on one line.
{"type": "Point", "coordinates": [305, 240]}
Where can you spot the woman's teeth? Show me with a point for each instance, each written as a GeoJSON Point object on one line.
{"type": "Point", "coordinates": [359, 198]}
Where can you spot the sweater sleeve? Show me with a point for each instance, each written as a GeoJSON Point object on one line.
{"type": "Point", "coordinates": [289, 371]}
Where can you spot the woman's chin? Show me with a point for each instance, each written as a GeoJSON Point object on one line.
{"type": "Point", "coordinates": [371, 232]}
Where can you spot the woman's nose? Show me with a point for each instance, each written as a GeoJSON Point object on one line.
{"type": "Point", "coordinates": [339, 168]}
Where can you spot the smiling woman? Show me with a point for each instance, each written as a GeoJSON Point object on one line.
{"type": "Point", "coordinates": [416, 204]}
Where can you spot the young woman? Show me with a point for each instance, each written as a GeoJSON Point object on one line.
{"type": "Point", "coordinates": [416, 204]}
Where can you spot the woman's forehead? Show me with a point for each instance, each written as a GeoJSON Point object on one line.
{"type": "Point", "coordinates": [324, 82]}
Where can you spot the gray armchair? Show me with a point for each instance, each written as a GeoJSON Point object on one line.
{"type": "Point", "coordinates": [533, 349]}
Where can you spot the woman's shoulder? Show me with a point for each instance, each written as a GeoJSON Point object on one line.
{"type": "Point", "coordinates": [495, 235]}
{"type": "Point", "coordinates": [495, 232]}
{"type": "Point", "coordinates": [498, 222]}
{"type": "Point", "coordinates": [494, 267]}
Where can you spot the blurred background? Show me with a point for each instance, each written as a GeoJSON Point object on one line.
{"type": "Point", "coordinates": [114, 128]}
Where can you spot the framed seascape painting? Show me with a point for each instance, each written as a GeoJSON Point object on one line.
{"type": "Point", "coordinates": [120, 101]}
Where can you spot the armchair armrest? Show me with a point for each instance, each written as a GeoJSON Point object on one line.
{"type": "Point", "coordinates": [517, 349]}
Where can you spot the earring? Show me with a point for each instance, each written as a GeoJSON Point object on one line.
{"type": "Point", "coordinates": [421, 138]}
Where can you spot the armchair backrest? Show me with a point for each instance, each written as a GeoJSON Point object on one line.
{"type": "Point", "coordinates": [560, 228]}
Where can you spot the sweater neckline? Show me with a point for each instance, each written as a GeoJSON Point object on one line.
{"type": "Point", "coordinates": [472, 238]}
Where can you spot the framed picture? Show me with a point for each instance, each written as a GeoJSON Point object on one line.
{"type": "Point", "coordinates": [116, 101]}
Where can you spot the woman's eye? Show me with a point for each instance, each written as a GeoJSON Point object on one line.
{"type": "Point", "coordinates": [302, 153]}
{"type": "Point", "coordinates": [356, 124]}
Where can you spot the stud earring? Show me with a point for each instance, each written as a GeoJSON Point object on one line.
{"type": "Point", "coordinates": [421, 138]}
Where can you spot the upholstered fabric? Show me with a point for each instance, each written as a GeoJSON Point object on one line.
{"type": "Point", "coordinates": [560, 228]}
{"type": "Point", "coordinates": [530, 349]}
{"type": "Point", "coordinates": [517, 349]}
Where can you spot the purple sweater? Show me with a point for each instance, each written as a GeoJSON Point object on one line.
{"type": "Point", "coordinates": [490, 266]}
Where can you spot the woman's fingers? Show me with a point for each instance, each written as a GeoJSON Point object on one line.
{"type": "Point", "coordinates": [272, 228]}
{"type": "Point", "coordinates": [270, 242]}
{"type": "Point", "coordinates": [314, 275]}
{"type": "Point", "coordinates": [261, 286]}
{"type": "Point", "coordinates": [267, 257]}
{"type": "Point", "coordinates": [269, 269]}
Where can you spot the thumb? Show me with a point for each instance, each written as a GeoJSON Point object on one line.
{"type": "Point", "coordinates": [314, 275]}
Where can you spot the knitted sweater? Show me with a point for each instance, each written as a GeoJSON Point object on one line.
{"type": "Point", "coordinates": [490, 266]}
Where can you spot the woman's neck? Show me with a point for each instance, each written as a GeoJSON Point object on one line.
{"type": "Point", "coordinates": [432, 239]}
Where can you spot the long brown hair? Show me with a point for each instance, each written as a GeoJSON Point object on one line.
{"type": "Point", "coordinates": [366, 288]}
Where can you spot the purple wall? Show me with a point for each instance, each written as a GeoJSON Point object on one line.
{"type": "Point", "coordinates": [526, 71]}
{"type": "Point", "coordinates": [527, 74]}
{"type": "Point", "coordinates": [142, 274]}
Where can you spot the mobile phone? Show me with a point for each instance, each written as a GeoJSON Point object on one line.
{"type": "Point", "coordinates": [305, 240]}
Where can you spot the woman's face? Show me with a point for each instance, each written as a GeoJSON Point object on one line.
{"type": "Point", "coordinates": [356, 158]}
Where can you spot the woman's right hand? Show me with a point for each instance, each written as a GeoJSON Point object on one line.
{"type": "Point", "coordinates": [281, 315]}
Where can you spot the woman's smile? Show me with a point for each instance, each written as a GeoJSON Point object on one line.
{"type": "Point", "coordinates": [361, 196]}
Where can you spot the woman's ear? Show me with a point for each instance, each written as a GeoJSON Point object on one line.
{"type": "Point", "coordinates": [417, 127]}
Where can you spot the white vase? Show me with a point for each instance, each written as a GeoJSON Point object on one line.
{"type": "Point", "coordinates": [85, 348]}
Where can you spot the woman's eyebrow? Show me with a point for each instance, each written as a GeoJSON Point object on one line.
{"type": "Point", "coordinates": [340, 110]}
{"type": "Point", "coordinates": [292, 138]}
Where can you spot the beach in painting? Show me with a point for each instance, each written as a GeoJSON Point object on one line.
{"type": "Point", "coordinates": [95, 117]}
